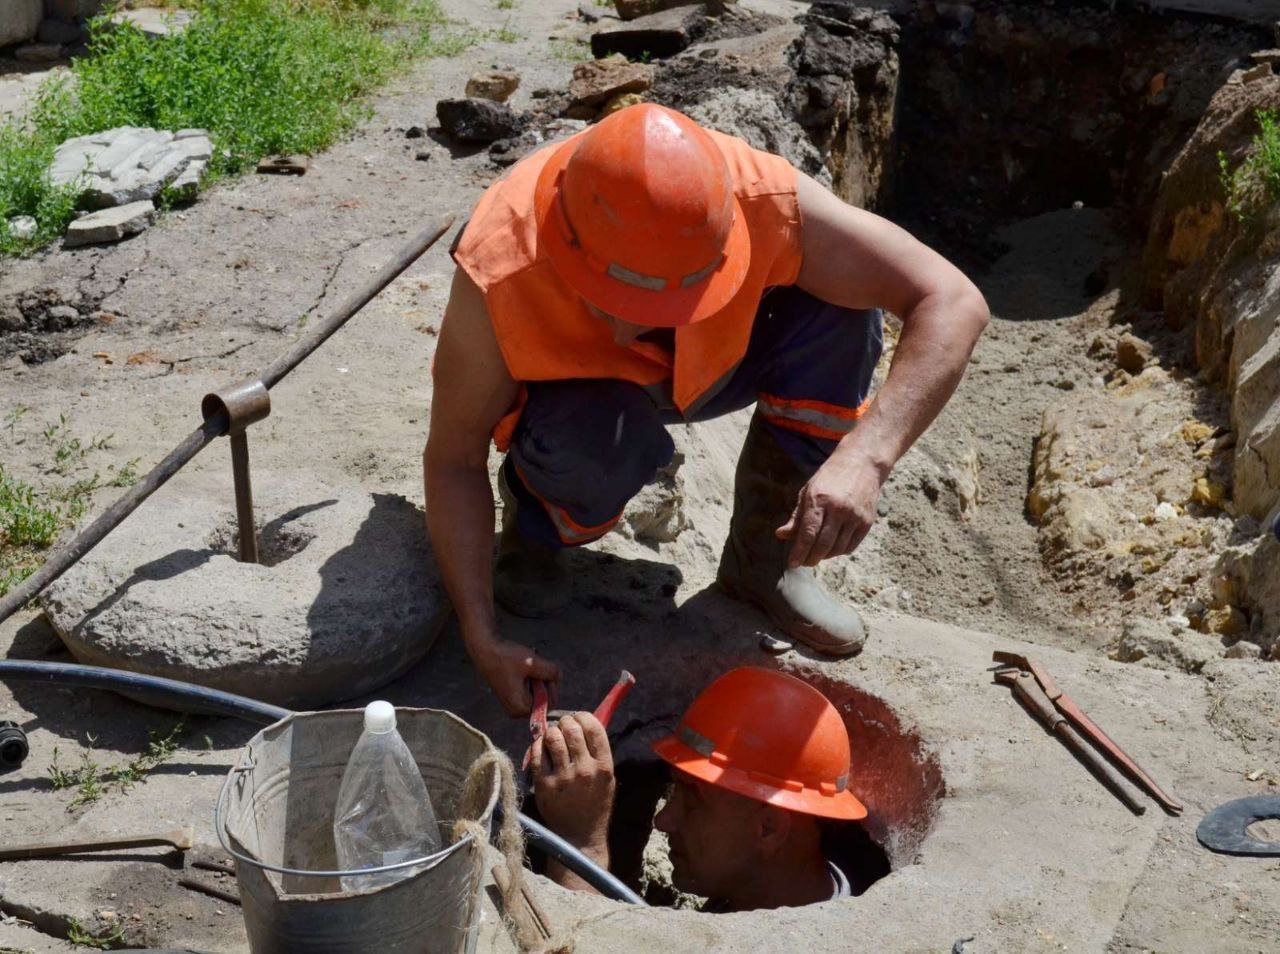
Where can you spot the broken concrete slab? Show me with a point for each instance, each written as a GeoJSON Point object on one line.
{"type": "Point", "coordinates": [111, 225]}
{"type": "Point", "coordinates": [655, 35]}
{"type": "Point", "coordinates": [595, 82]}
{"type": "Point", "coordinates": [348, 601]}
{"type": "Point", "coordinates": [153, 22]}
{"type": "Point", "coordinates": [126, 164]}
{"type": "Point", "coordinates": [633, 9]}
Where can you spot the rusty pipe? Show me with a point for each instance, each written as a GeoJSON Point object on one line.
{"type": "Point", "coordinates": [215, 426]}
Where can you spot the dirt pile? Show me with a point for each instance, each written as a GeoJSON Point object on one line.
{"type": "Point", "coordinates": [42, 324]}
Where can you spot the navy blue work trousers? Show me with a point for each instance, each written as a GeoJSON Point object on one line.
{"type": "Point", "coordinates": [584, 447]}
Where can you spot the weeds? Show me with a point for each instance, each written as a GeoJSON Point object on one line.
{"type": "Point", "coordinates": [505, 34]}
{"type": "Point", "coordinates": [32, 518]}
{"type": "Point", "coordinates": [91, 780]}
{"type": "Point", "coordinates": [569, 51]}
{"type": "Point", "coordinates": [1255, 183]}
{"type": "Point", "coordinates": [263, 76]}
{"type": "Point", "coordinates": [78, 935]}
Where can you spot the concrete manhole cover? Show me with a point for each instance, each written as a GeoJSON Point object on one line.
{"type": "Point", "coordinates": [347, 600]}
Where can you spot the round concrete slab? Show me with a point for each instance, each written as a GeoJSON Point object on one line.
{"type": "Point", "coordinates": [347, 600]}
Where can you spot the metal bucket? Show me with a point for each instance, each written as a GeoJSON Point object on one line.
{"type": "Point", "coordinates": [275, 816]}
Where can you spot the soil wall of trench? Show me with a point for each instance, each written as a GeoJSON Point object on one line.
{"type": "Point", "coordinates": [993, 130]}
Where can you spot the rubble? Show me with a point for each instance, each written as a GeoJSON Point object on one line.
{"type": "Point", "coordinates": [127, 164]}
{"type": "Point", "coordinates": [111, 225]}
{"type": "Point", "coordinates": [597, 81]}
{"type": "Point", "coordinates": [23, 227]}
{"type": "Point", "coordinates": [652, 36]}
{"type": "Point", "coordinates": [632, 9]}
{"type": "Point", "coordinates": [479, 120]}
{"type": "Point", "coordinates": [497, 85]}
{"type": "Point", "coordinates": [1132, 353]}
{"type": "Point", "coordinates": [1165, 648]}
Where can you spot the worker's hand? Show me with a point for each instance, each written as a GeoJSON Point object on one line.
{"type": "Point", "coordinates": [573, 782]}
{"type": "Point", "coordinates": [507, 668]}
{"type": "Point", "coordinates": [834, 511]}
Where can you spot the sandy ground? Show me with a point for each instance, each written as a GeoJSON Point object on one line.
{"type": "Point", "coordinates": [1024, 860]}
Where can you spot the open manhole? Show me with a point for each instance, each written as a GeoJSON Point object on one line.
{"type": "Point", "coordinates": [895, 774]}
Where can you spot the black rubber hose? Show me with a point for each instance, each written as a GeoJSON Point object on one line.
{"type": "Point", "coordinates": [171, 693]}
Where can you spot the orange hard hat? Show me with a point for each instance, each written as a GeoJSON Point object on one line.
{"type": "Point", "coordinates": [639, 217]}
{"type": "Point", "coordinates": [768, 736]}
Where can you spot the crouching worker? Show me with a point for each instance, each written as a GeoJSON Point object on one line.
{"type": "Point", "coordinates": [758, 762]}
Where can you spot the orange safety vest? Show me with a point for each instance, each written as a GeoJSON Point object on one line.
{"type": "Point", "coordinates": [545, 332]}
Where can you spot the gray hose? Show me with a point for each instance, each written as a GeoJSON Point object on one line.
{"type": "Point", "coordinates": [197, 699]}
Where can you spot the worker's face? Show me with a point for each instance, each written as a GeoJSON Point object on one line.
{"type": "Point", "coordinates": [714, 836]}
{"type": "Point", "coordinates": [624, 332]}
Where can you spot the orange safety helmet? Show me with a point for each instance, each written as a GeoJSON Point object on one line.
{"type": "Point", "coordinates": [639, 217]}
{"type": "Point", "coordinates": [768, 736]}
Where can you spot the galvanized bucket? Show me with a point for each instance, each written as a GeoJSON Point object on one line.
{"type": "Point", "coordinates": [275, 816]}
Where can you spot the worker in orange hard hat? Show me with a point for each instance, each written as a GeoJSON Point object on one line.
{"type": "Point", "coordinates": [760, 765]}
{"type": "Point", "coordinates": [648, 271]}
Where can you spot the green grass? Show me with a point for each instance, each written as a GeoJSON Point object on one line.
{"type": "Point", "coordinates": [1255, 183]}
{"type": "Point", "coordinates": [569, 51]}
{"type": "Point", "coordinates": [263, 76]}
{"type": "Point", "coordinates": [80, 936]}
{"type": "Point", "coordinates": [31, 517]}
{"type": "Point", "coordinates": [91, 781]}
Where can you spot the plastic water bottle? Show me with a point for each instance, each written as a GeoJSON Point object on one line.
{"type": "Point", "coordinates": [384, 814]}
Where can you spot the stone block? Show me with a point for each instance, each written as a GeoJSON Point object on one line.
{"type": "Point", "coordinates": [597, 81]}
{"type": "Point", "coordinates": [111, 225]}
{"type": "Point", "coordinates": [497, 85]}
{"type": "Point", "coordinates": [347, 599]}
{"type": "Point", "coordinates": [21, 21]}
{"type": "Point", "coordinates": [23, 227]}
{"type": "Point", "coordinates": [479, 120]}
{"type": "Point", "coordinates": [126, 164]}
{"type": "Point", "coordinates": [655, 35]}
{"type": "Point", "coordinates": [633, 9]}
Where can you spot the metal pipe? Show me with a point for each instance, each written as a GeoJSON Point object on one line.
{"type": "Point", "coordinates": [169, 692]}
{"type": "Point", "coordinates": [214, 426]}
{"type": "Point", "coordinates": [244, 497]}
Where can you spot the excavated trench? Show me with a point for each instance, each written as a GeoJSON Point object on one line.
{"type": "Point", "coordinates": [1003, 134]}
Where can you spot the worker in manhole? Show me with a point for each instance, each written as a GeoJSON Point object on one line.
{"type": "Point", "coordinates": [759, 764]}
{"type": "Point", "coordinates": [646, 272]}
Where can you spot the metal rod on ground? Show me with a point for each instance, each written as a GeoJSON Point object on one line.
{"type": "Point", "coordinates": [66, 557]}
{"type": "Point", "coordinates": [180, 839]}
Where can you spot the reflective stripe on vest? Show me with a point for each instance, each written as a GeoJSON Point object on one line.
{"type": "Point", "coordinates": [570, 532]}
{"type": "Point", "coordinates": [816, 418]}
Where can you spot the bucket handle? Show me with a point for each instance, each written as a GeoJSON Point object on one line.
{"type": "Point", "coordinates": [224, 839]}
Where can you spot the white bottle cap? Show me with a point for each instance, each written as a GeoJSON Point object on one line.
{"type": "Point", "coordinates": [379, 717]}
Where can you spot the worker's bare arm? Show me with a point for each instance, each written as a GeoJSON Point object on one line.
{"type": "Point", "coordinates": [859, 260]}
{"type": "Point", "coordinates": [471, 391]}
